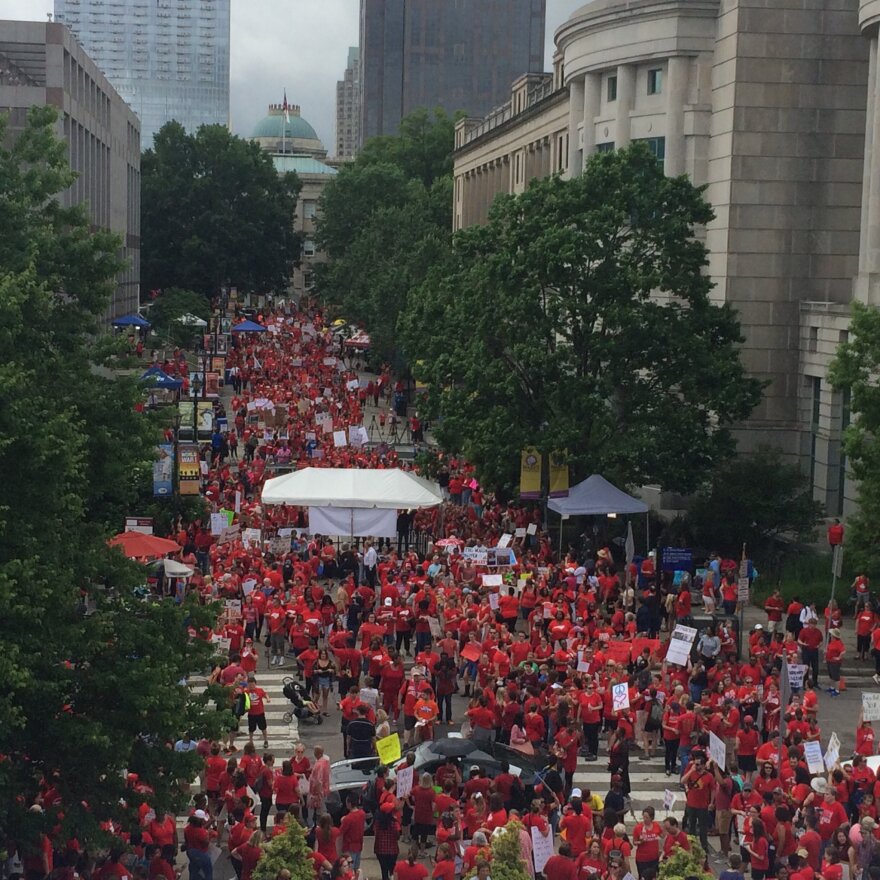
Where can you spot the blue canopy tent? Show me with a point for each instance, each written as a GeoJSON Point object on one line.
{"type": "Point", "coordinates": [595, 496]}
{"type": "Point", "coordinates": [131, 321]}
{"type": "Point", "coordinates": [157, 378]}
{"type": "Point", "coordinates": [248, 327]}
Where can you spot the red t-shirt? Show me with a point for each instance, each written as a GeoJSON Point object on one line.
{"type": "Point", "coordinates": [647, 841]}
{"type": "Point", "coordinates": [560, 868]}
{"type": "Point", "coordinates": [352, 827]}
{"type": "Point", "coordinates": [406, 871]}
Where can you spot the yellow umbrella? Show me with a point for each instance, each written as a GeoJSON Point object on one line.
{"type": "Point", "coordinates": [340, 322]}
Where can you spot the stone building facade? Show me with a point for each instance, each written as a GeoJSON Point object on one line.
{"type": "Point", "coordinates": [41, 63]}
{"type": "Point", "coordinates": [765, 105]}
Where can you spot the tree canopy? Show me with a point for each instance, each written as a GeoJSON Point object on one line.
{"type": "Point", "coordinates": [86, 696]}
{"type": "Point", "coordinates": [854, 373]}
{"type": "Point", "coordinates": [579, 319]}
{"type": "Point", "coordinates": [215, 212]}
{"type": "Point", "coordinates": [754, 498]}
{"type": "Point", "coordinates": [384, 220]}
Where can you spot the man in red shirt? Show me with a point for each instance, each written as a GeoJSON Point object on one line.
{"type": "Point", "coordinates": [698, 784]}
{"type": "Point", "coordinates": [810, 640]}
{"type": "Point", "coordinates": [774, 607]}
{"type": "Point", "coordinates": [257, 710]}
{"type": "Point", "coordinates": [562, 866]}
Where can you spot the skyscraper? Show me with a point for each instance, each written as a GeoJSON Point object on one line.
{"type": "Point", "coordinates": [169, 59]}
{"type": "Point", "coordinates": [348, 104]}
{"type": "Point", "coordinates": [455, 54]}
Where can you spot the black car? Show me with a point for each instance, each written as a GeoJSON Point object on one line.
{"type": "Point", "coordinates": [356, 774]}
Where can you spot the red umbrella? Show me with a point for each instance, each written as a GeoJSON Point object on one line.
{"type": "Point", "coordinates": [449, 542]}
{"type": "Point", "coordinates": [136, 545]}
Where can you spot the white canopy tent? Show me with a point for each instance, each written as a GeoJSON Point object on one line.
{"type": "Point", "coordinates": [348, 501]}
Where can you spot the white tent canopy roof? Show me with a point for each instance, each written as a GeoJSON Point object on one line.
{"type": "Point", "coordinates": [595, 496]}
{"type": "Point", "coordinates": [349, 487]}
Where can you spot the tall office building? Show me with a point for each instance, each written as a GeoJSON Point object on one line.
{"type": "Point", "coordinates": [348, 107]}
{"type": "Point", "coordinates": [42, 64]}
{"type": "Point", "coordinates": [168, 58]}
{"type": "Point", "coordinates": [455, 54]}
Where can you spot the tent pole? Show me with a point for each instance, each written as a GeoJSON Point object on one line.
{"type": "Point", "coordinates": [560, 537]}
{"type": "Point", "coordinates": [647, 532]}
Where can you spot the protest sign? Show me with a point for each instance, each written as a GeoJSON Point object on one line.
{"type": "Point", "coordinates": [218, 523]}
{"type": "Point", "coordinates": [493, 601]}
{"type": "Point", "coordinates": [505, 539]}
{"type": "Point", "coordinates": [680, 643]}
{"type": "Point", "coordinates": [339, 439]}
{"type": "Point", "coordinates": [436, 629]}
{"type": "Point", "coordinates": [813, 754]}
{"type": "Point", "coordinates": [669, 799]}
{"type": "Point", "coordinates": [832, 753]}
{"type": "Point", "coordinates": [252, 538]}
{"type": "Point", "coordinates": [521, 532]}
{"type": "Point", "coordinates": [870, 707]}
{"type": "Point", "coordinates": [471, 652]}
{"type": "Point", "coordinates": [230, 533]}
{"type": "Point", "coordinates": [532, 529]}
{"type": "Point", "coordinates": [582, 666]}
{"type": "Point", "coordinates": [404, 781]}
{"type": "Point", "coordinates": [542, 848]}
{"type": "Point", "coordinates": [388, 749]}
{"type": "Point", "coordinates": [491, 580]}
{"type": "Point", "coordinates": [717, 751]}
{"type": "Point", "coordinates": [796, 676]}
{"type": "Point", "coordinates": [620, 697]}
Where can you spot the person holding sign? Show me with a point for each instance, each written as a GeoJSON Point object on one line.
{"type": "Point", "coordinates": [698, 784]}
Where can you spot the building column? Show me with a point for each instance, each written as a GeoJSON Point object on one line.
{"type": "Point", "coordinates": [626, 95]}
{"type": "Point", "coordinates": [676, 95]}
{"type": "Point", "coordinates": [575, 112]}
{"type": "Point", "coordinates": [592, 102]}
{"type": "Point", "coordinates": [869, 191]}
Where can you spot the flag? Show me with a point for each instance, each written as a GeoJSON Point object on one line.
{"type": "Point", "coordinates": [559, 474]}
{"type": "Point", "coordinates": [630, 544]}
{"type": "Point", "coordinates": [286, 108]}
{"type": "Point", "coordinates": [530, 473]}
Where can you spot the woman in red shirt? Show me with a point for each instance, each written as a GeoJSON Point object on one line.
{"type": "Point", "coordinates": [411, 869]}
{"type": "Point", "coordinates": [646, 837]}
{"type": "Point", "coordinates": [834, 653]}
{"type": "Point", "coordinates": [422, 799]}
{"type": "Point", "coordinates": [249, 853]}
{"type": "Point", "coordinates": [197, 841]}
{"type": "Point", "coordinates": [326, 836]}
{"type": "Point", "coordinates": [759, 851]}
{"type": "Point", "coordinates": [286, 790]}
{"type": "Point", "coordinates": [444, 865]}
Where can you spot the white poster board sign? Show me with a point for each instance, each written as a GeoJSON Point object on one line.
{"type": "Point", "coordinates": [404, 781]}
{"type": "Point", "coordinates": [717, 751]}
{"type": "Point", "coordinates": [542, 848]}
{"type": "Point", "coordinates": [491, 580]}
{"type": "Point", "coordinates": [870, 707]}
{"type": "Point", "coordinates": [620, 697]}
{"type": "Point", "coordinates": [813, 754]}
{"type": "Point", "coordinates": [796, 677]}
{"type": "Point", "coordinates": [532, 529]}
{"type": "Point", "coordinates": [832, 753]}
{"type": "Point", "coordinates": [252, 538]}
{"type": "Point", "coordinates": [218, 523]}
{"type": "Point", "coordinates": [680, 643]}
{"type": "Point", "coordinates": [505, 539]}
{"type": "Point", "coordinates": [669, 799]}
{"type": "Point", "coordinates": [339, 439]}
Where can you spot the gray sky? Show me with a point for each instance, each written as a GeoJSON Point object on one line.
{"type": "Point", "coordinates": [300, 45]}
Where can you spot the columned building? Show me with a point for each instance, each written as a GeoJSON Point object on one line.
{"type": "Point", "coordinates": [765, 105]}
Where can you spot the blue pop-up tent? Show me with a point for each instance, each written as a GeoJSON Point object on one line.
{"type": "Point", "coordinates": [248, 327]}
{"type": "Point", "coordinates": [160, 379]}
{"type": "Point", "coordinates": [131, 321]}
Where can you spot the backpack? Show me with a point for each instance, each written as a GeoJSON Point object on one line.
{"type": "Point", "coordinates": [654, 721]}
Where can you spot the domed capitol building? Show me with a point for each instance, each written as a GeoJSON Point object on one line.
{"type": "Point", "coordinates": [295, 146]}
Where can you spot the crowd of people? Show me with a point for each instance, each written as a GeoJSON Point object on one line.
{"type": "Point", "coordinates": [564, 660]}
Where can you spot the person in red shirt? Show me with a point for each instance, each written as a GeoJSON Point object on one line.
{"type": "Point", "coordinates": [830, 815]}
{"type": "Point", "coordinates": [865, 620]}
{"type": "Point", "coordinates": [647, 836]}
{"type": "Point", "coordinates": [577, 822]}
{"type": "Point", "coordinates": [834, 653]}
{"type": "Point", "coordinates": [774, 607]}
{"type": "Point", "coordinates": [257, 711]}
{"type": "Point", "coordinates": [699, 784]}
{"type": "Point", "coordinates": [810, 640]}
{"type": "Point", "coordinates": [561, 866]}
{"type": "Point", "coordinates": [747, 741]}
{"type": "Point", "coordinates": [675, 838]}
{"type": "Point", "coordinates": [444, 866]}
{"type": "Point", "coordinates": [352, 829]}
{"type": "Point", "coordinates": [759, 851]}
{"type": "Point", "coordinates": [410, 869]}
{"type": "Point", "coordinates": [197, 841]}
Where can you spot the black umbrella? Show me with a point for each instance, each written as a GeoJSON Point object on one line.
{"type": "Point", "coordinates": [453, 747]}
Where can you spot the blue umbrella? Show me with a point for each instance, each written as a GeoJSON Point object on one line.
{"type": "Point", "coordinates": [248, 327]}
{"type": "Point", "coordinates": [131, 321]}
{"type": "Point", "coordinates": [160, 379]}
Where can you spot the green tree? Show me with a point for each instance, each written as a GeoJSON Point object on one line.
{"type": "Point", "coordinates": [91, 675]}
{"type": "Point", "coordinates": [215, 212]}
{"type": "Point", "coordinates": [683, 864]}
{"type": "Point", "coordinates": [289, 851]}
{"type": "Point", "coordinates": [753, 499]}
{"type": "Point", "coordinates": [507, 861]}
{"type": "Point", "coordinates": [854, 373]}
{"type": "Point", "coordinates": [384, 221]}
{"type": "Point", "coordinates": [578, 318]}
{"type": "Point", "coordinates": [172, 304]}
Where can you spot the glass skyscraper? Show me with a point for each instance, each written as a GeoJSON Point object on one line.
{"type": "Point", "coordinates": [169, 59]}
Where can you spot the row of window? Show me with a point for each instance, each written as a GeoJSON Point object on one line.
{"type": "Point", "coordinates": [655, 84]}
{"type": "Point", "coordinates": [657, 146]}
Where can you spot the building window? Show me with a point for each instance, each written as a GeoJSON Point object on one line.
{"type": "Point", "coordinates": [611, 89]}
{"type": "Point", "coordinates": [814, 339]}
{"type": "Point", "coordinates": [657, 147]}
{"type": "Point", "coordinates": [310, 209]}
{"type": "Point", "coordinates": [308, 280]}
{"type": "Point", "coordinates": [308, 248]}
{"type": "Point", "coordinates": [655, 80]}
{"type": "Point", "coordinates": [605, 147]}
{"type": "Point", "coordinates": [816, 406]}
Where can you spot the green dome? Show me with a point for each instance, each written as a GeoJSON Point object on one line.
{"type": "Point", "coordinates": [275, 126]}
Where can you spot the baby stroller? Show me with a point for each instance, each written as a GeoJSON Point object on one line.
{"type": "Point", "coordinates": [303, 708]}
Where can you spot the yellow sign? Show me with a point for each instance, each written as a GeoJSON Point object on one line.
{"type": "Point", "coordinates": [558, 475]}
{"type": "Point", "coordinates": [188, 468]}
{"type": "Point", "coordinates": [388, 749]}
{"type": "Point", "coordinates": [530, 473]}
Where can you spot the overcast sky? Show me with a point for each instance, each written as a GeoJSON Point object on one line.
{"type": "Point", "coordinates": [300, 45]}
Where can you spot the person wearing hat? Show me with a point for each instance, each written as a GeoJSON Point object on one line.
{"type": "Point", "coordinates": [834, 653]}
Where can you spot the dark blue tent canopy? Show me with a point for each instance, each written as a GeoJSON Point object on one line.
{"type": "Point", "coordinates": [131, 321]}
{"type": "Point", "coordinates": [248, 327]}
{"type": "Point", "coordinates": [160, 379]}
